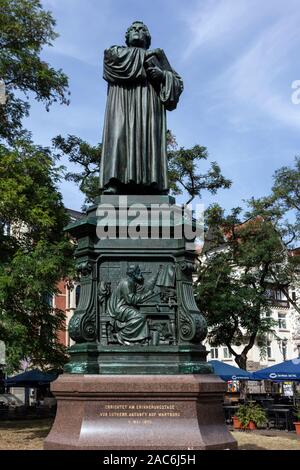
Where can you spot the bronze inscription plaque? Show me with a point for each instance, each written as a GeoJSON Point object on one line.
{"type": "Point", "coordinates": [139, 413]}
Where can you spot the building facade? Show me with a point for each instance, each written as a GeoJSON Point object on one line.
{"type": "Point", "coordinates": [281, 346]}
{"type": "Point", "coordinates": [284, 343]}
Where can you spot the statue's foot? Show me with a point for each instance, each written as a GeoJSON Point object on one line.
{"type": "Point", "coordinates": [110, 190]}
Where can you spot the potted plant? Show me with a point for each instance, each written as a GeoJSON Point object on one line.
{"type": "Point", "coordinates": [297, 422]}
{"type": "Point", "coordinates": [251, 416]}
{"type": "Point", "coordinates": [241, 415]}
{"type": "Point", "coordinates": [236, 423]}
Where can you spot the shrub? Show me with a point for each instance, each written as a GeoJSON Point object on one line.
{"type": "Point", "coordinates": [251, 412]}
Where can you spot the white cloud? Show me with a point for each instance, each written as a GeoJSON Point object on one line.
{"type": "Point", "coordinates": [212, 20]}
{"type": "Point", "coordinates": [262, 78]}
{"type": "Point", "coordinates": [252, 81]}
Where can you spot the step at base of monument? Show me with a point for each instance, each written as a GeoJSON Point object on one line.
{"type": "Point", "coordinates": [134, 412]}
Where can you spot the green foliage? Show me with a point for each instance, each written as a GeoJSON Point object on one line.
{"type": "Point", "coordinates": [246, 257]}
{"type": "Point", "coordinates": [234, 280]}
{"type": "Point", "coordinates": [282, 209]}
{"type": "Point", "coordinates": [34, 254]}
{"type": "Point", "coordinates": [296, 412]}
{"type": "Point", "coordinates": [184, 173]}
{"type": "Point", "coordinates": [25, 28]}
{"type": "Point", "coordinates": [286, 188]}
{"type": "Point", "coordinates": [88, 157]}
{"type": "Point", "coordinates": [183, 167]}
{"type": "Point", "coordinates": [251, 412]}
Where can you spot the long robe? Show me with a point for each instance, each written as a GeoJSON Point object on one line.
{"type": "Point", "coordinates": [134, 146]}
{"type": "Point", "coordinates": [130, 324]}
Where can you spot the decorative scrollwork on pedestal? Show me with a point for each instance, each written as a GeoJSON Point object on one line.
{"type": "Point", "coordinates": [84, 268]}
{"type": "Point", "coordinates": [82, 326]}
{"type": "Point", "coordinates": [192, 325]}
{"type": "Point", "coordinates": [193, 328]}
{"type": "Point", "coordinates": [74, 327]}
{"type": "Point", "coordinates": [89, 326]}
{"type": "Point", "coordinates": [187, 327]}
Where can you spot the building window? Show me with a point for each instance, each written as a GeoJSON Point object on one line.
{"type": "Point", "coordinates": [48, 299]}
{"type": "Point", "coordinates": [281, 321]}
{"type": "Point", "coordinates": [269, 350]}
{"type": "Point", "coordinates": [277, 297]}
{"type": "Point", "coordinates": [226, 353]}
{"type": "Point", "coordinates": [214, 353]}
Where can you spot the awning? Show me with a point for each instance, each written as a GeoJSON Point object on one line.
{"type": "Point", "coordinates": [286, 371]}
{"type": "Point", "coordinates": [228, 372]}
{"type": "Point", "coordinates": [32, 378]}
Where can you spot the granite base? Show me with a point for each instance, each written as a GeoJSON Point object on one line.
{"type": "Point", "coordinates": [133, 412]}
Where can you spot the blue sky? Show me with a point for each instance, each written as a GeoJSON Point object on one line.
{"type": "Point", "coordinates": [238, 60]}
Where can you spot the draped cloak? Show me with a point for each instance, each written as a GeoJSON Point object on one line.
{"type": "Point", "coordinates": [134, 146]}
{"type": "Point", "coordinates": [130, 324]}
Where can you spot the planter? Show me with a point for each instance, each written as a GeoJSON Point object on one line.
{"type": "Point", "coordinates": [236, 423]}
{"type": "Point", "coordinates": [297, 426]}
{"type": "Point", "coordinates": [251, 426]}
{"type": "Point", "coordinates": [251, 415]}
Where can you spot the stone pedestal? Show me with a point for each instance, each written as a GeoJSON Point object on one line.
{"type": "Point", "coordinates": [129, 392]}
{"type": "Point", "coordinates": [133, 412]}
{"type": "Point", "coordinates": [162, 250]}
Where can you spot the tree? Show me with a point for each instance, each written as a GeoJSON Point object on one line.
{"type": "Point", "coordinates": [35, 254]}
{"type": "Point", "coordinates": [184, 173]}
{"type": "Point", "coordinates": [85, 156]}
{"type": "Point", "coordinates": [234, 280]}
{"type": "Point", "coordinates": [246, 259]}
{"type": "Point", "coordinates": [282, 209]}
{"type": "Point", "coordinates": [183, 167]}
{"type": "Point", "coordinates": [25, 27]}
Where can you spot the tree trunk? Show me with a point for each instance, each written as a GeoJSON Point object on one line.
{"type": "Point", "coordinates": [241, 360]}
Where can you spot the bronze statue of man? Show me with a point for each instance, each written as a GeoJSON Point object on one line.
{"type": "Point", "coordinates": [141, 87]}
{"type": "Point", "coordinates": [129, 323]}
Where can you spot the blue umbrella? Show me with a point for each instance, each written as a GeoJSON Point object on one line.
{"type": "Point", "coordinates": [31, 378]}
{"type": "Point", "coordinates": [286, 371]}
{"type": "Point", "coordinates": [228, 372]}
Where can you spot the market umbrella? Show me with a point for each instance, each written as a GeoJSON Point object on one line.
{"type": "Point", "coordinates": [286, 371]}
{"type": "Point", "coordinates": [228, 372]}
{"type": "Point", "coordinates": [32, 378]}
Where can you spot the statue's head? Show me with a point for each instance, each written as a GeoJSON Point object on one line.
{"type": "Point", "coordinates": [134, 272]}
{"type": "Point", "coordinates": [137, 35]}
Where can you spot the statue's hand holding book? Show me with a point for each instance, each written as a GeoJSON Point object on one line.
{"type": "Point", "coordinates": [155, 75]}
{"type": "Point", "coordinates": [156, 64]}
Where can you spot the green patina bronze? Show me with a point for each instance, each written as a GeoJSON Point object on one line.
{"type": "Point", "coordinates": [141, 87]}
{"type": "Point", "coordinates": [136, 313]}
